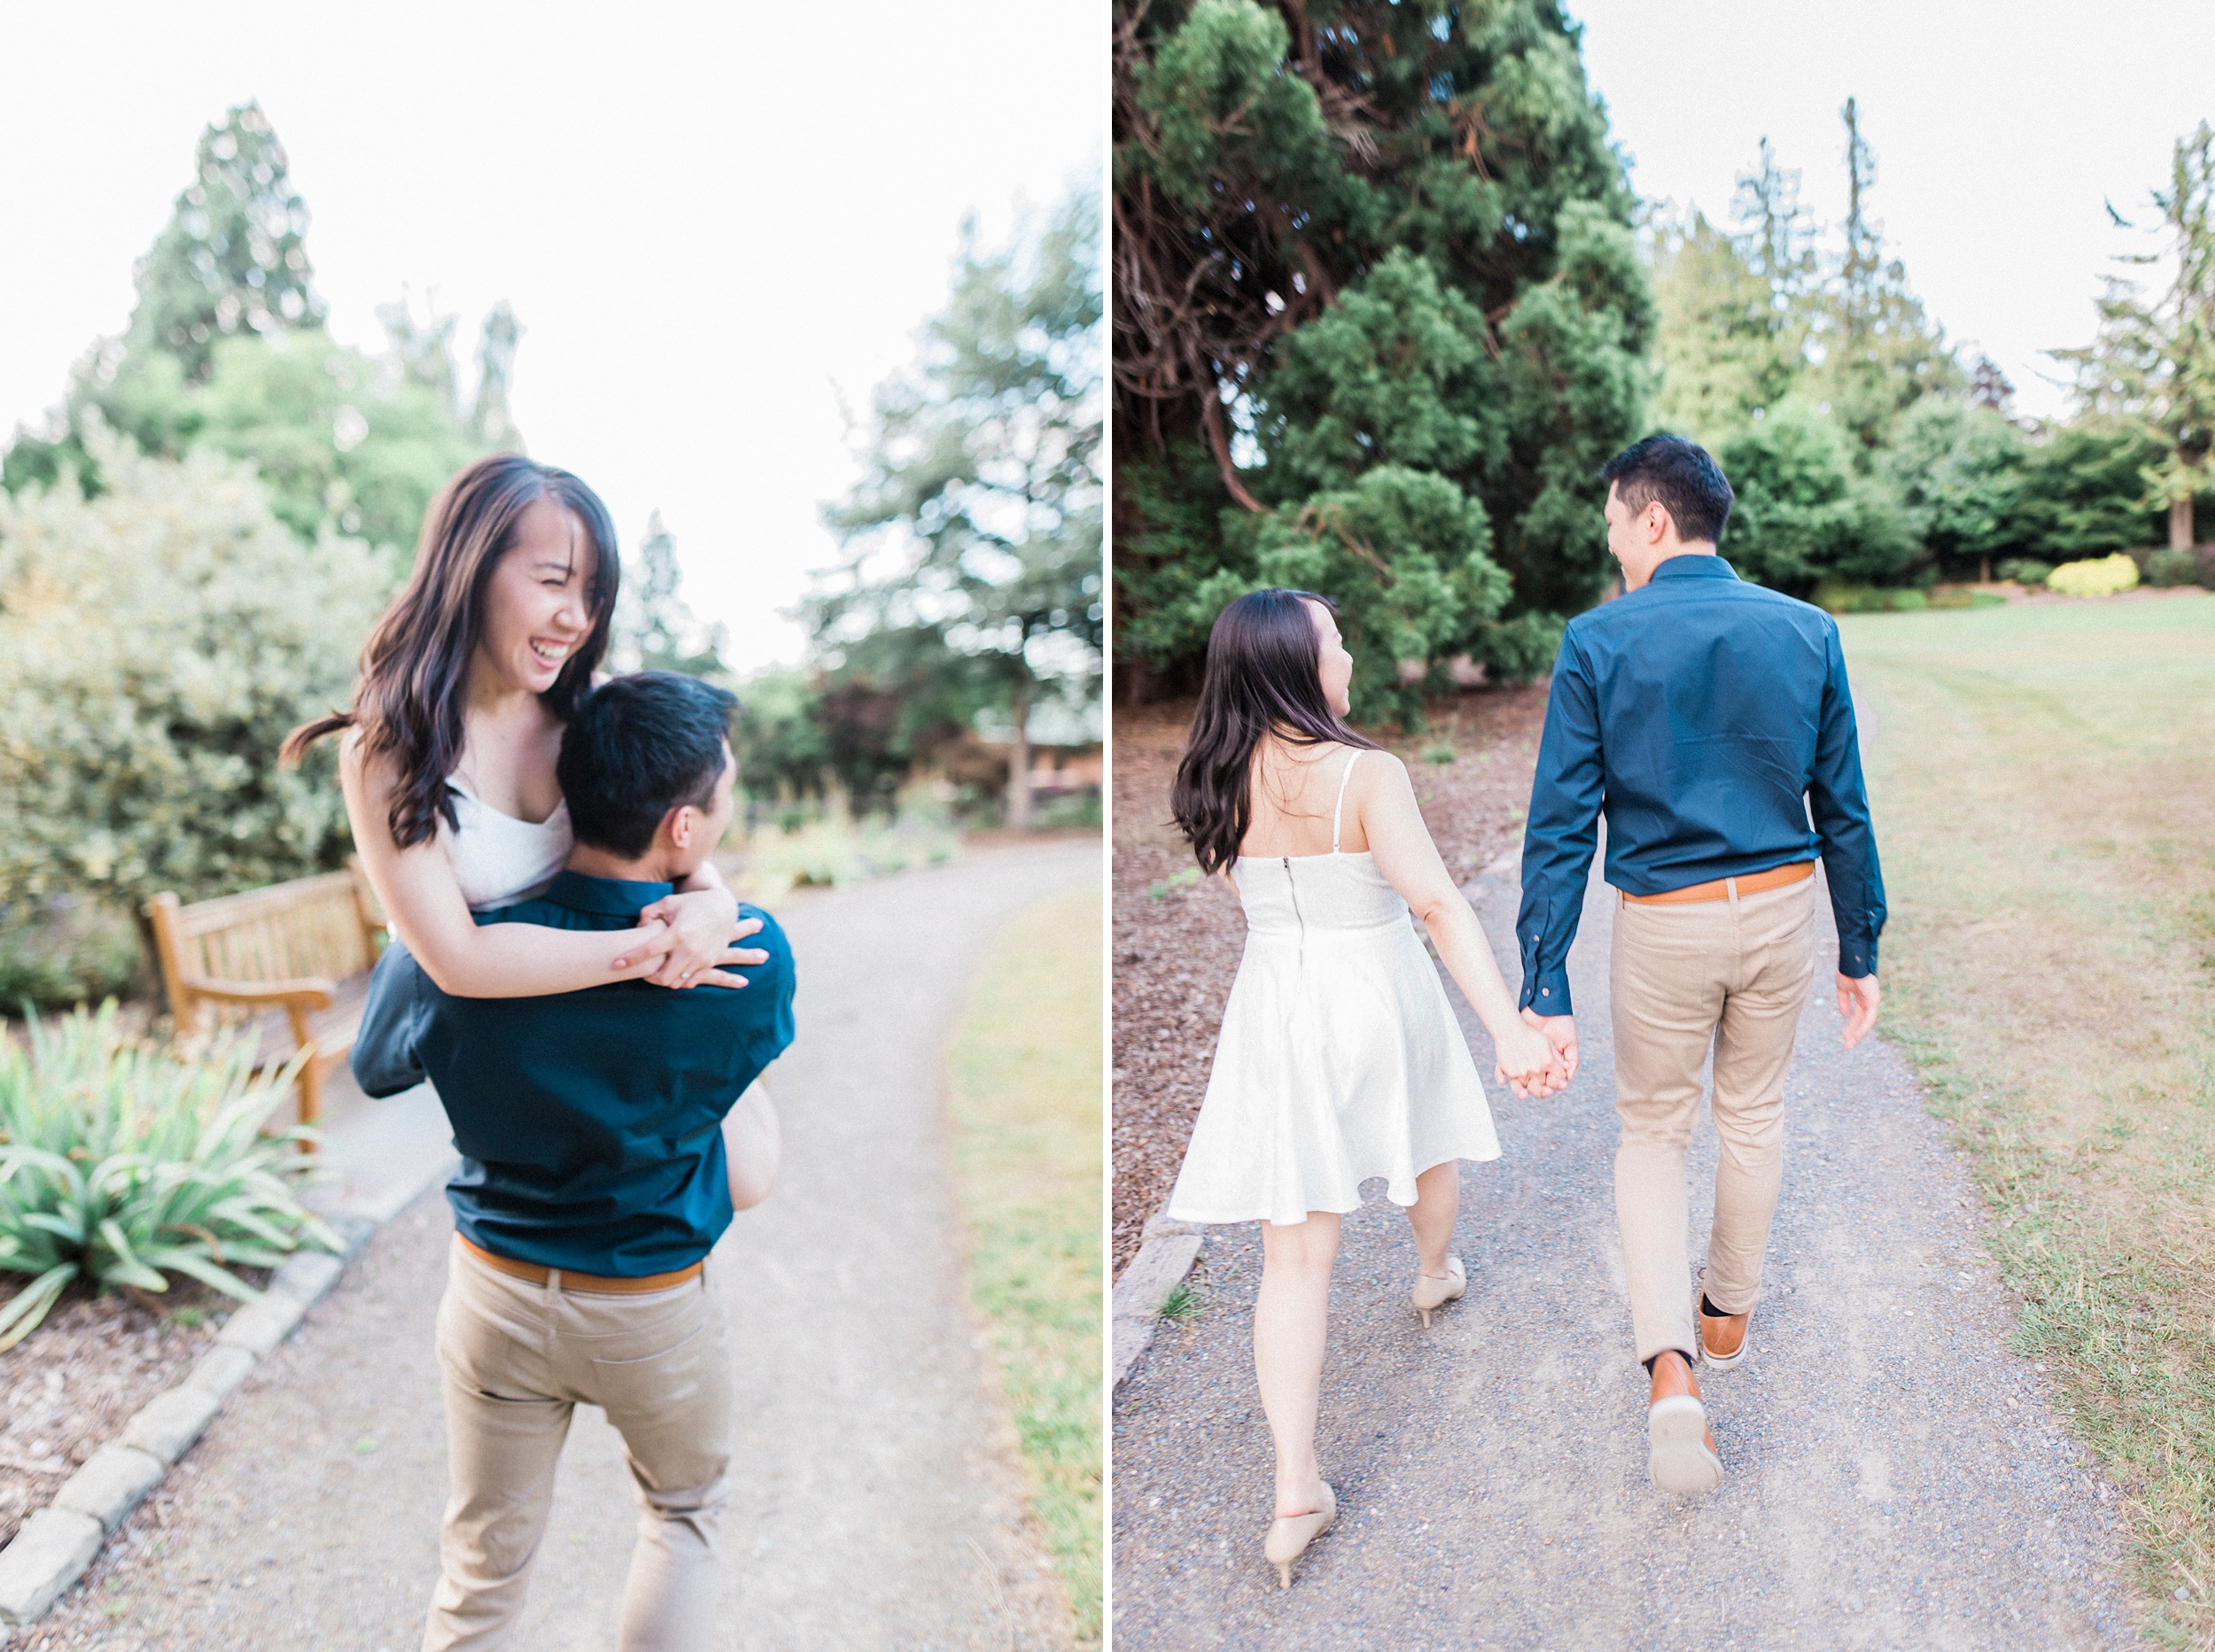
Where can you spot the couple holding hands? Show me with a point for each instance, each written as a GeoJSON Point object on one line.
{"type": "Point", "coordinates": [1710, 721]}
{"type": "Point", "coordinates": [594, 1009]}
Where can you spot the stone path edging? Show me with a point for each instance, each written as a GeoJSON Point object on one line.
{"type": "Point", "coordinates": [57, 1543]}
{"type": "Point", "coordinates": [1164, 1259]}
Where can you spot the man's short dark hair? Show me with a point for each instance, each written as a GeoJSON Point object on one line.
{"type": "Point", "coordinates": [638, 747]}
{"type": "Point", "coordinates": [1681, 475]}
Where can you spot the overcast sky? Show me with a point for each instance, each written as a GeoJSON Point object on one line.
{"type": "Point", "coordinates": [713, 220]}
{"type": "Point", "coordinates": [1998, 129]}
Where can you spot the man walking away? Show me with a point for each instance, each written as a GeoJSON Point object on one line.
{"type": "Point", "coordinates": [1710, 721]}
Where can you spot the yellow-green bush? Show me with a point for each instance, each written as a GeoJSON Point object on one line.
{"type": "Point", "coordinates": [2098, 575]}
{"type": "Point", "coordinates": [156, 643]}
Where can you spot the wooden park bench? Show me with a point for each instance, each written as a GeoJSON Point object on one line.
{"type": "Point", "coordinates": [293, 960]}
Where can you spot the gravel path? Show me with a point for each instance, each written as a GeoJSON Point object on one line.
{"type": "Point", "coordinates": [1895, 1478]}
{"type": "Point", "coordinates": [879, 1492]}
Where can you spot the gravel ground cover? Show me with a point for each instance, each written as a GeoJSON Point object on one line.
{"type": "Point", "coordinates": [1896, 1477]}
{"type": "Point", "coordinates": [67, 1389]}
{"type": "Point", "coordinates": [1178, 939]}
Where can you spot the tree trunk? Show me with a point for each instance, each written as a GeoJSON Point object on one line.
{"type": "Point", "coordinates": [1019, 763]}
{"type": "Point", "coordinates": [1984, 568]}
{"type": "Point", "coordinates": [2180, 524]}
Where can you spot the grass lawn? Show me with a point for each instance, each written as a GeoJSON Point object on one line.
{"type": "Point", "coordinates": [2043, 778]}
{"type": "Point", "coordinates": [1025, 1101]}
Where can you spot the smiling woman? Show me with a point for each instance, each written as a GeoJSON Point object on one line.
{"type": "Point", "coordinates": [466, 683]}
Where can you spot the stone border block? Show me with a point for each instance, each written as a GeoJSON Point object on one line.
{"type": "Point", "coordinates": [112, 1483]}
{"type": "Point", "coordinates": [308, 1274]}
{"type": "Point", "coordinates": [263, 1322]}
{"type": "Point", "coordinates": [166, 1425]}
{"type": "Point", "coordinates": [1162, 1263]}
{"type": "Point", "coordinates": [221, 1369]}
{"type": "Point", "coordinates": [45, 1557]}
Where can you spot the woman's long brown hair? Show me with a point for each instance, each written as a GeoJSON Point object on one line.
{"type": "Point", "coordinates": [415, 667]}
{"type": "Point", "coordinates": [1263, 677]}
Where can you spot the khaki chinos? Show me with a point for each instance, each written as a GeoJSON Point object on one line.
{"type": "Point", "coordinates": [518, 1357]}
{"type": "Point", "coordinates": [1736, 972]}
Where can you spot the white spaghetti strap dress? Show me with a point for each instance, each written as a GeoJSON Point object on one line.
{"type": "Point", "coordinates": [1339, 1058]}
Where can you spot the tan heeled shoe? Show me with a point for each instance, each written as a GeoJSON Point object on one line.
{"type": "Point", "coordinates": [1289, 1535]}
{"type": "Point", "coordinates": [1432, 1294]}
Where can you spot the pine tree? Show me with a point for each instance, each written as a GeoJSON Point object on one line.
{"type": "Point", "coordinates": [232, 255]}
{"type": "Point", "coordinates": [489, 417]}
{"type": "Point", "coordinates": [1375, 237]}
{"type": "Point", "coordinates": [2153, 363]}
{"type": "Point", "coordinates": [1879, 352]}
{"type": "Point", "coordinates": [655, 629]}
{"type": "Point", "coordinates": [975, 532]}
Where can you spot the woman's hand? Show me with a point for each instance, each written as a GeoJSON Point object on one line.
{"type": "Point", "coordinates": [702, 925]}
{"type": "Point", "coordinates": [1528, 1062]}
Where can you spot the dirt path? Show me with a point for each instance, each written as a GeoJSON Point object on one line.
{"type": "Point", "coordinates": [1895, 1477]}
{"type": "Point", "coordinates": [878, 1490]}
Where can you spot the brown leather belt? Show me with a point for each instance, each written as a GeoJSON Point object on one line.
{"type": "Point", "coordinates": [1751, 883]}
{"type": "Point", "coordinates": [591, 1285]}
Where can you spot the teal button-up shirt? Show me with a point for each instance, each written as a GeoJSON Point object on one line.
{"type": "Point", "coordinates": [1710, 721]}
{"type": "Point", "coordinates": [590, 1123]}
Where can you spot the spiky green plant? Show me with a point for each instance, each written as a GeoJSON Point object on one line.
{"type": "Point", "coordinates": [125, 1163]}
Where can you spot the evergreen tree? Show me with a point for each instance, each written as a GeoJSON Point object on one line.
{"type": "Point", "coordinates": [490, 421]}
{"type": "Point", "coordinates": [1379, 240]}
{"type": "Point", "coordinates": [2153, 363]}
{"type": "Point", "coordinates": [1879, 352]}
{"type": "Point", "coordinates": [973, 578]}
{"type": "Point", "coordinates": [233, 254]}
{"type": "Point", "coordinates": [343, 441]}
{"type": "Point", "coordinates": [654, 629]}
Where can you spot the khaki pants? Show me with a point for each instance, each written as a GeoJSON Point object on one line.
{"type": "Point", "coordinates": [518, 1358]}
{"type": "Point", "coordinates": [1736, 971]}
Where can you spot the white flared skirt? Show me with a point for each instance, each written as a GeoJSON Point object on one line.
{"type": "Point", "coordinates": [1339, 1060]}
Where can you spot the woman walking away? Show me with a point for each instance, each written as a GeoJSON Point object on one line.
{"type": "Point", "coordinates": [1339, 1058]}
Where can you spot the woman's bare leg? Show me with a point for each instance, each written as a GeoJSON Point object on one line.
{"type": "Point", "coordinates": [754, 1146]}
{"type": "Point", "coordinates": [1290, 1318]}
{"type": "Point", "coordinates": [1437, 1203]}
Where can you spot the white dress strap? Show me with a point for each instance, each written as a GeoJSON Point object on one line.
{"type": "Point", "coordinates": [1339, 809]}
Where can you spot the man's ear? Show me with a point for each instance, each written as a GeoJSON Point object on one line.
{"type": "Point", "coordinates": [680, 823]}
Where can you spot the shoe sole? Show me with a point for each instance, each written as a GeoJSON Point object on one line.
{"type": "Point", "coordinates": [1677, 1447]}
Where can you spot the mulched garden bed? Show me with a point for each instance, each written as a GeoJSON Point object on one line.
{"type": "Point", "coordinates": [1177, 939]}
{"type": "Point", "coordinates": [69, 1388]}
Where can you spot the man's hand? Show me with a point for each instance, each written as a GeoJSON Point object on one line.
{"type": "Point", "coordinates": [1528, 1063]}
{"type": "Point", "coordinates": [1857, 1002]}
{"type": "Point", "coordinates": [1561, 1032]}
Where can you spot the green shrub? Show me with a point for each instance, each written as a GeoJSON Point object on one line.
{"type": "Point", "coordinates": [2025, 570]}
{"type": "Point", "coordinates": [2177, 568]}
{"type": "Point", "coordinates": [125, 1164]}
{"type": "Point", "coordinates": [834, 850]}
{"type": "Point", "coordinates": [65, 950]}
{"type": "Point", "coordinates": [2100, 576]}
{"type": "Point", "coordinates": [156, 643]}
{"type": "Point", "coordinates": [1070, 811]}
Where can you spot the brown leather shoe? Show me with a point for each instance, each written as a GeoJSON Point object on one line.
{"type": "Point", "coordinates": [1681, 1452]}
{"type": "Point", "coordinates": [1722, 1337]}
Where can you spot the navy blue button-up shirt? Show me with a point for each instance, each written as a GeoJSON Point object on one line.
{"type": "Point", "coordinates": [1710, 721]}
{"type": "Point", "coordinates": [590, 1123]}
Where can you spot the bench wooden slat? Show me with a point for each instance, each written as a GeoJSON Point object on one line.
{"type": "Point", "coordinates": [224, 961]}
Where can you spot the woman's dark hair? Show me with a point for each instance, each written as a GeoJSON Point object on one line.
{"type": "Point", "coordinates": [1263, 677]}
{"type": "Point", "coordinates": [415, 667]}
{"type": "Point", "coordinates": [1683, 475]}
{"type": "Point", "coordinates": [638, 747]}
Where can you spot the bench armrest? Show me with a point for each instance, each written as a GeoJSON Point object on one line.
{"type": "Point", "coordinates": [309, 993]}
